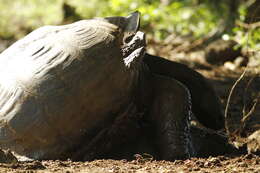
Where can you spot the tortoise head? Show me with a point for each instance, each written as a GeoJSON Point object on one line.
{"type": "Point", "coordinates": [132, 41]}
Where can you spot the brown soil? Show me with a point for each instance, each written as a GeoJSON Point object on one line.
{"type": "Point", "coordinates": [239, 164]}
{"type": "Point", "coordinates": [222, 77]}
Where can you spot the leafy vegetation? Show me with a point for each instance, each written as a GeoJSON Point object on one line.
{"type": "Point", "coordinates": [160, 18]}
{"type": "Point", "coordinates": [247, 35]}
{"type": "Point", "coordinates": [18, 17]}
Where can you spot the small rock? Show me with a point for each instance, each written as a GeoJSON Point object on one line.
{"type": "Point", "coordinates": [214, 160]}
{"type": "Point", "coordinates": [253, 144]}
{"type": "Point", "coordinates": [178, 162]}
{"type": "Point", "coordinates": [222, 158]}
{"type": "Point", "coordinates": [239, 61]}
{"type": "Point", "coordinates": [207, 164]}
{"type": "Point", "coordinates": [35, 165]}
{"type": "Point", "coordinates": [7, 157]}
{"type": "Point", "coordinates": [249, 156]}
{"type": "Point", "coordinates": [229, 65]}
{"type": "Point", "coordinates": [195, 169]}
{"type": "Point", "coordinates": [239, 160]}
{"type": "Point", "coordinates": [243, 165]}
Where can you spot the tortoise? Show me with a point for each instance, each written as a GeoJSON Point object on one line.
{"type": "Point", "coordinates": [84, 89]}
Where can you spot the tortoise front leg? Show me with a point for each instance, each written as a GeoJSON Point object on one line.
{"type": "Point", "coordinates": [171, 111]}
{"type": "Point", "coordinates": [206, 105]}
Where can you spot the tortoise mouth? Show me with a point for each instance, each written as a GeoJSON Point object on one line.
{"type": "Point", "coordinates": [134, 48]}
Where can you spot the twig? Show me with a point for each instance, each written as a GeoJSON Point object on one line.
{"type": "Point", "coordinates": [229, 97]}
{"type": "Point", "coordinates": [248, 26]}
{"type": "Point", "coordinates": [245, 93]}
{"type": "Point", "coordinates": [245, 117]}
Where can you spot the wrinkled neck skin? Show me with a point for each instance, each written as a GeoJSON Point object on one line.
{"type": "Point", "coordinates": [133, 53]}
{"type": "Point", "coordinates": [144, 87]}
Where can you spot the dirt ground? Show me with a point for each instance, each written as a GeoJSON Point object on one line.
{"type": "Point", "coordinates": [222, 77]}
{"type": "Point", "coordinates": [226, 164]}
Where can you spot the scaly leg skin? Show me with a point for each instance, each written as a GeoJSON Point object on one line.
{"type": "Point", "coordinates": [206, 105]}
{"type": "Point", "coordinates": [171, 111]}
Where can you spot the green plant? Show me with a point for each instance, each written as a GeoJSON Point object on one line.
{"type": "Point", "coordinates": [160, 18]}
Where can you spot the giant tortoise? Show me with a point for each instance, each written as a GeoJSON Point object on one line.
{"type": "Point", "coordinates": [84, 89]}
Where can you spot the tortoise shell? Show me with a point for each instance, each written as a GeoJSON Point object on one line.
{"type": "Point", "coordinates": [60, 82]}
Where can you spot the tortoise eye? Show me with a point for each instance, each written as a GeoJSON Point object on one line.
{"type": "Point", "coordinates": [128, 38]}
